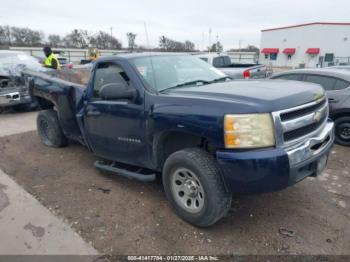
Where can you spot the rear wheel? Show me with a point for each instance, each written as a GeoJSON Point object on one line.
{"type": "Point", "coordinates": [193, 186]}
{"type": "Point", "coordinates": [49, 129]}
{"type": "Point", "coordinates": [342, 131]}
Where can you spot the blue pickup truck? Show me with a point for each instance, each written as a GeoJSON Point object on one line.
{"type": "Point", "coordinates": [177, 117]}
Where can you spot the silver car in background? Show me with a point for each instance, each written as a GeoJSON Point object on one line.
{"type": "Point", "coordinates": [13, 89]}
{"type": "Point", "coordinates": [233, 70]}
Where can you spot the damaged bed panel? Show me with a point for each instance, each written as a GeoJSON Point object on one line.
{"type": "Point", "coordinates": [54, 92]}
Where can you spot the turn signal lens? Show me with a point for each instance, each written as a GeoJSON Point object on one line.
{"type": "Point", "coordinates": [248, 131]}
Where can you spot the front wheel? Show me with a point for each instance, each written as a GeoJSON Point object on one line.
{"type": "Point", "coordinates": [194, 187]}
{"type": "Point", "coordinates": [342, 131]}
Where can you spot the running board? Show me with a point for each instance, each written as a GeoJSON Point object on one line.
{"type": "Point", "coordinates": [113, 168]}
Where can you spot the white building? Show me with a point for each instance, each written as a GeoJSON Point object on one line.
{"type": "Point", "coordinates": [306, 45]}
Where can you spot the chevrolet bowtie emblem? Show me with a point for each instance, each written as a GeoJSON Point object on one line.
{"type": "Point", "coordinates": [317, 116]}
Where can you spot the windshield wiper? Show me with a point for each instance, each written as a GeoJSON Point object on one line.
{"type": "Point", "coordinates": [204, 82]}
{"type": "Point", "coordinates": [224, 78]}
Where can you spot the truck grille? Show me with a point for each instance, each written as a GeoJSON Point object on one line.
{"type": "Point", "coordinates": [299, 122]}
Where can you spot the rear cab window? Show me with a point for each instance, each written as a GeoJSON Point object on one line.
{"type": "Point", "coordinates": [221, 61]}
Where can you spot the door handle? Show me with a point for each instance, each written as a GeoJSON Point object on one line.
{"type": "Point", "coordinates": [93, 113]}
{"type": "Point", "coordinates": [332, 100]}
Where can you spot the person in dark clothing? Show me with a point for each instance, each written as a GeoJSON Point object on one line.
{"type": "Point", "coordinates": [51, 60]}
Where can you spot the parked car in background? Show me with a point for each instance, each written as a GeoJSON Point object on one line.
{"type": "Point", "coordinates": [62, 59]}
{"type": "Point", "coordinates": [336, 82]}
{"type": "Point", "coordinates": [235, 71]}
{"type": "Point", "coordinates": [13, 89]}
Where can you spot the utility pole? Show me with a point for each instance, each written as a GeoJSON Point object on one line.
{"type": "Point", "coordinates": [111, 28]}
{"type": "Point", "coordinates": [203, 46]}
{"type": "Point", "coordinates": [209, 39]}
{"type": "Point", "coordinates": [217, 43]}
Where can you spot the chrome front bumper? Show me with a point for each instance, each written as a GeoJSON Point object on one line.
{"type": "Point", "coordinates": [13, 98]}
{"type": "Point", "coordinates": [312, 146]}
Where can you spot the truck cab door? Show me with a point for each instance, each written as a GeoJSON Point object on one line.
{"type": "Point", "coordinates": [115, 127]}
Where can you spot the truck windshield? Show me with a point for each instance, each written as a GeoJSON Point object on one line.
{"type": "Point", "coordinates": [166, 72]}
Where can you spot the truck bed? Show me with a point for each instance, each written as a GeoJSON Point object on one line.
{"type": "Point", "coordinates": [52, 91]}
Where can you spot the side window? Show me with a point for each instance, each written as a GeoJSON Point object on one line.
{"type": "Point", "coordinates": [221, 61]}
{"type": "Point", "coordinates": [296, 77]}
{"type": "Point", "coordinates": [204, 59]}
{"type": "Point", "coordinates": [326, 82]}
{"type": "Point", "coordinates": [108, 73]}
{"type": "Point", "coordinates": [217, 62]}
{"type": "Point", "coordinates": [341, 84]}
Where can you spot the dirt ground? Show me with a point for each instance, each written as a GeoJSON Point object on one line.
{"type": "Point", "coordinates": [127, 217]}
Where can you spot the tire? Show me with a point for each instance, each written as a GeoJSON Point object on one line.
{"type": "Point", "coordinates": [342, 130]}
{"type": "Point", "coordinates": [49, 129]}
{"type": "Point", "coordinates": [194, 174]}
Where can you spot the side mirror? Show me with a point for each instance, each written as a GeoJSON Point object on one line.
{"type": "Point", "coordinates": [116, 91]}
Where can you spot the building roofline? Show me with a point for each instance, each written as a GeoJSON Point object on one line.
{"type": "Point", "coordinates": [301, 25]}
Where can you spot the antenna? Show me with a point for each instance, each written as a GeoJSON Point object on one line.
{"type": "Point", "coordinates": [147, 39]}
{"type": "Point", "coordinates": [150, 57]}
{"type": "Point", "coordinates": [209, 39]}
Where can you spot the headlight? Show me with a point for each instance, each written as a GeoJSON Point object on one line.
{"type": "Point", "coordinates": [248, 131]}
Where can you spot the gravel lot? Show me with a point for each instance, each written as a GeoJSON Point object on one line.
{"type": "Point", "coordinates": [127, 217]}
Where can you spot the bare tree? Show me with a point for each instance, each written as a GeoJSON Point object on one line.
{"type": "Point", "coordinates": [22, 36]}
{"type": "Point", "coordinates": [131, 40]}
{"type": "Point", "coordinates": [5, 35]}
{"type": "Point", "coordinates": [168, 44]}
{"type": "Point", "coordinates": [217, 47]}
{"type": "Point", "coordinates": [164, 42]}
{"type": "Point", "coordinates": [77, 38]}
{"type": "Point", "coordinates": [54, 40]}
{"type": "Point", "coordinates": [104, 40]}
{"type": "Point", "coordinates": [189, 46]}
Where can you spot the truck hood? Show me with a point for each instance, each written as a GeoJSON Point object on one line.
{"type": "Point", "coordinates": [255, 96]}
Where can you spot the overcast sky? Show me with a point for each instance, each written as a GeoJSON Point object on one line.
{"type": "Point", "coordinates": [232, 20]}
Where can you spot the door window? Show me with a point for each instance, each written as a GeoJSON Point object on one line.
{"type": "Point", "coordinates": [341, 84]}
{"type": "Point", "coordinates": [290, 77]}
{"type": "Point", "coordinates": [325, 81]}
{"type": "Point", "coordinates": [108, 73]}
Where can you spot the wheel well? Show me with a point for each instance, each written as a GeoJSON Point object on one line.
{"type": "Point", "coordinates": [170, 142]}
{"type": "Point", "coordinates": [44, 103]}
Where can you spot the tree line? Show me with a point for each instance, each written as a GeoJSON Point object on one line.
{"type": "Point", "coordinates": [80, 38]}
